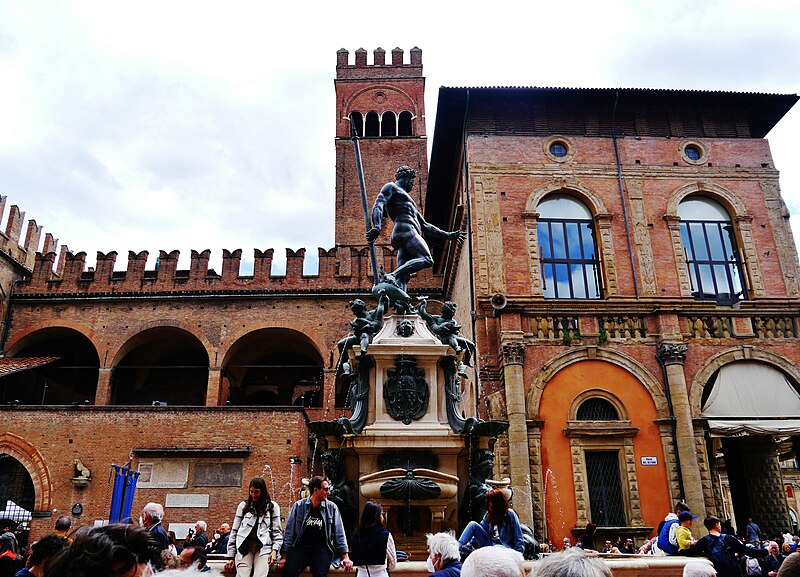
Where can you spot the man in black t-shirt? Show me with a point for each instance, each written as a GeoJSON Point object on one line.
{"type": "Point", "coordinates": [724, 551]}
{"type": "Point", "coordinates": [314, 535]}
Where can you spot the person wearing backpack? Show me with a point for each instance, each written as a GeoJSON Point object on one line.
{"type": "Point", "coordinates": [667, 541]}
{"type": "Point", "coordinates": [722, 550]}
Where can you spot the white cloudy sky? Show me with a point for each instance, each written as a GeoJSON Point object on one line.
{"type": "Point", "coordinates": [191, 125]}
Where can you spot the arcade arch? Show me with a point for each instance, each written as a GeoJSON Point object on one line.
{"type": "Point", "coordinates": [70, 377]}
{"type": "Point", "coordinates": [274, 366]}
{"type": "Point", "coordinates": [160, 365]}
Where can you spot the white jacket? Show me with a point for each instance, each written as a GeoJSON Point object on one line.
{"type": "Point", "coordinates": [268, 531]}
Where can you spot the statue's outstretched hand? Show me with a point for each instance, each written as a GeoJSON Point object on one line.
{"type": "Point", "coordinates": [458, 235]}
{"type": "Point", "coordinates": [373, 234]}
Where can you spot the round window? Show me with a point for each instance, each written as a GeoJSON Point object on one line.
{"type": "Point", "coordinates": [692, 152]}
{"type": "Point", "coordinates": [558, 149]}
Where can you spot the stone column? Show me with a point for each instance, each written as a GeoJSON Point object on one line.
{"type": "Point", "coordinates": [672, 355]}
{"type": "Point", "coordinates": [519, 458]}
{"type": "Point", "coordinates": [213, 389]}
{"type": "Point", "coordinates": [102, 395]}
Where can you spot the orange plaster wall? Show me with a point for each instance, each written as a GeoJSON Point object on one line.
{"type": "Point", "coordinates": [560, 509]}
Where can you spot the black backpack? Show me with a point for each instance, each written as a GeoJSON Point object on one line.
{"type": "Point", "coordinates": [722, 556]}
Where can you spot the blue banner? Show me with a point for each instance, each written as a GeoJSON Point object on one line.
{"type": "Point", "coordinates": [122, 493]}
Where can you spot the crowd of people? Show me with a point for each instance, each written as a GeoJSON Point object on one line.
{"type": "Point", "coordinates": [314, 538]}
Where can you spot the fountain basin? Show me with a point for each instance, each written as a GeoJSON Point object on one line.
{"type": "Point", "coordinates": [372, 483]}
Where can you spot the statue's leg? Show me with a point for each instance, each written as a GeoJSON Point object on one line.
{"type": "Point", "coordinates": [413, 255]}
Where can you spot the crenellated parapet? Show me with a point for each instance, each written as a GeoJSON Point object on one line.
{"type": "Point", "coordinates": [23, 254]}
{"type": "Point", "coordinates": [341, 269]}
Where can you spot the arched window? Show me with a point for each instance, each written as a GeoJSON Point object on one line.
{"type": "Point", "coordinates": [568, 252]}
{"type": "Point", "coordinates": [597, 409]}
{"type": "Point", "coordinates": [404, 124]}
{"type": "Point", "coordinates": [357, 120]}
{"type": "Point", "coordinates": [709, 244]}
{"type": "Point", "coordinates": [372, 126]}
{"type": "Point", "coordinates": [388, 124]}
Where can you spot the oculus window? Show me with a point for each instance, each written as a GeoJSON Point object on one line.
{"type": "Point", "coordinates": [568, 251]}
{"type": "Point", "coordinates": [709, 245]}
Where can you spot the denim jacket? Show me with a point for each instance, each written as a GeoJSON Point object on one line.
{"type": "Point", "coordinates": [510, 531]}
{"type": "Point", "coordinates": [334, 529]}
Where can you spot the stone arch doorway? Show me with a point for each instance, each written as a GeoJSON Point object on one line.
{"type": "Point", "coordinates": [17, 496]}
{"type": "Point", "coordinates": [752, 417]}
{"type": "Point", "coordinates": [274, 366]}
{"type": "Point", "coordinates": [161, 364]}
{"type": "Point", "coordinates": [68, 374]}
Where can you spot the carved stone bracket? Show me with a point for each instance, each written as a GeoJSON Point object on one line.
{"type": "Point", "coordinates": [513, 353]}
{"type": "Point", "coordinates": [672, 353]}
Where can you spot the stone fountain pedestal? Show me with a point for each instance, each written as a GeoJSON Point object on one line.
{"type": "Point", "coordinates": [408, 443]}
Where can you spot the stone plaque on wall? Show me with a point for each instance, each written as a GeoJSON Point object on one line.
{"type": "Point", "coordinates": [164, 474]}
{"type": "Point", "coordinates": [182, 500]}
{"type": "Point", "coordinates": [218, 475]}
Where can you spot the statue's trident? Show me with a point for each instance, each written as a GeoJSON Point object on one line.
{"type": "Point", "coordinates": [364, 204]}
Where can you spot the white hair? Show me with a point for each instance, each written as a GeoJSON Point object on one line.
{"type": "Point", "coordinates": [444, 545]}
{"type": "Point", "coordinates": [494, 561]}
{"type": "Point", "coordinates": [699, 569]}
{"type": "Point", "coordinates": [154, 511]}
{"type": "Point", "coordinates": [203, 526]}
{"type": "Point", "coordinates": [571, 563]}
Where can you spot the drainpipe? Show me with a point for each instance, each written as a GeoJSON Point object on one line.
{"type": "Point", "coordinates": [473, 314]}
{"type": "Point", "coordinates": [622, 193]}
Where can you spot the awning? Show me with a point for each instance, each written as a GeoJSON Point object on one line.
{"type": "Point", "coordinates": [750, 398]}
{"type": "Point", "coordinates": [14, 512]}
{"type": "Point", "coordinates": [11, 365]}
{"type": "Point", "coordinates": [719, 428]}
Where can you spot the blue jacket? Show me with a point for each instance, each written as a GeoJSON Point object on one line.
{"type": "Point", "coordinates": [334, 529]}
{"type": "Point", "coordinates": [510, 531]}
{"type": "Point", "coordinates": [452, 569]}
{"type": "Point", "coordinates": [663, 537]}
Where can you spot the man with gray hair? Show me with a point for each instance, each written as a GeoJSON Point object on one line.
{"type": "Point", "coordinates": [573, 562]}
{"type": "Point", "coordinates": [444, 559]}
{"type": "Point", "coordinates": [494, 561]}
{"type": "Point", "coordinates": [200, 538]}
{"type": "Point", "coordinates": [699, 569]}
{"type": "Point", "coordinates": [152, 515]}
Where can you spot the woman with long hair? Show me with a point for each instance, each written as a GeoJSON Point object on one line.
{"type": "Point", "coordinates": [372, 547]}
{"type": "Point", "coordinates": [499, 526]}
{"type": "Point", "coordinates": [256, 536]}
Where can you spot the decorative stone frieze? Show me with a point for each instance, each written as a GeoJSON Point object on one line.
{"type": "Point", "coordinates": [782, 232]}
{"type": "Point", "coordinates": [491, 269]}
{"type": "Point", "coordinates": [641, 237]}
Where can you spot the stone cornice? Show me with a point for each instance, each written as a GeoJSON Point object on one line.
{"type": "Point", "coordinates": [610, 171]}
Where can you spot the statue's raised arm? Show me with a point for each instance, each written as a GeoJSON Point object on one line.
{"type": "Point", "coordinates": [413, 253]}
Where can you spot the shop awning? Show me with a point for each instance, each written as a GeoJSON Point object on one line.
{"type": "Point", "coordinates": [742, 428]}
{"type": "Point", "coordinates": [752, 399]}
{"type": "Point", "coordinates": [11, 365]}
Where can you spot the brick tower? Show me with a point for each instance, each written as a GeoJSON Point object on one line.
{"type": "Point", "coordinates": [386, 103]}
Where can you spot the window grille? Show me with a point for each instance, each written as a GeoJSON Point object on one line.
{"type": "Point", "coordinates": [570, 267]}
{"type": "Point", "coordinates": [712, 260]}
{"type": "Point", "coordinates": [605, 491]}
{"type": "Point", "coordinates": [597, 409]}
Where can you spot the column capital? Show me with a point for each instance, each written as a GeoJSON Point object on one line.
{"type": "Point", "coordinates": [672, 353]}
{"type": "Point", "coordinates": [513, 353]}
